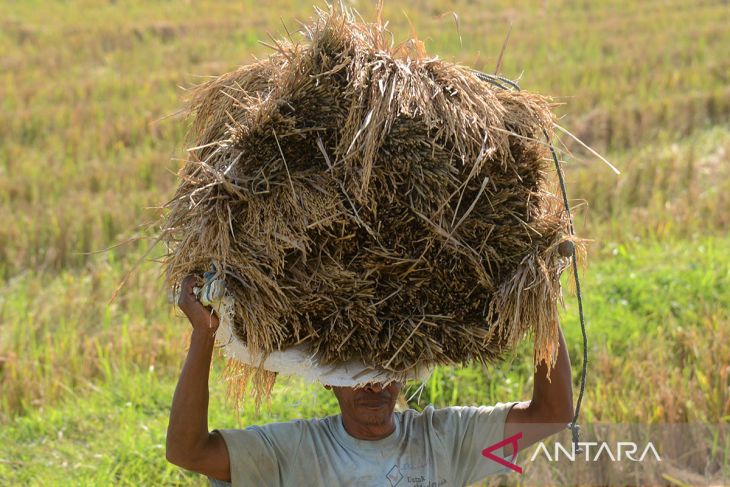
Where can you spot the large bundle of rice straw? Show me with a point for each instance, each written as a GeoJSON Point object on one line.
{"type": "Point", "coordinates": [371, 201]}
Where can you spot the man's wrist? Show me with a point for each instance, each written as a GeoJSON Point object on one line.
{"type": "Point", "coordinates": [203, 335]}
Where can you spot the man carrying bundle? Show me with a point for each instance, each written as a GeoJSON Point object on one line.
{"type": "Point", "coordinates": [367, 443]}
{"type": "Point", "coordinates": [367, 202]}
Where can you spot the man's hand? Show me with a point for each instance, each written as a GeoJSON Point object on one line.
{"type": "Point", "coordinates": [189, 443]}
{"type": "Point", "coordinates": [201, 318]}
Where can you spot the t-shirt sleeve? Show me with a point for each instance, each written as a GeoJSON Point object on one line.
{"type": "Point", "coordinates": [252, 456]}
{"type": "Point", "coordinates": [466, 431]}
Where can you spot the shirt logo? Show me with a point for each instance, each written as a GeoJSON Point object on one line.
{"type": "Point", "coordinates": [487, 452]}
{"type": "Point", "coordinates": [394, 476]}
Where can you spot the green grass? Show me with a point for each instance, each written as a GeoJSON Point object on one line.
{"type": "Point", "coordinates": [658, 322]}
{"type": "Point", "coordinates": [114, 433]}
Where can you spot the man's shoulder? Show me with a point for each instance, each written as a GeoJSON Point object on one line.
{"type": "Point", "coordinates": [438, 417]}
{"type": "Point", "coordinates": [275, 428]}
{"type": "Point", "coordinates": [278, 437]}
{"type": "Point", "coordinates": [319, 422]}
{"type": "Point", "coordinates": [430, 415]}
{"type": "Point", "coordinates": [430, 411]}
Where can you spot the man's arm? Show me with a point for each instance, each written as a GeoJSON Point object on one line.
{"type": "Point", "coordinates": [189, 443]}
{"type": "Point", "coordinates": [551, 407]}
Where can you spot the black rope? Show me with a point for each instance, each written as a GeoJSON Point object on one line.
{"type": "Point", "coordinates": [573, 425]}
{"type": "Point", "coordinates": [496, 80]}
{"type": "Point", "coordinates": [506, 84]}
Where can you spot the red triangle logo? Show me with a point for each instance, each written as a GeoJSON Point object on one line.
{"type": "Point", "coordinates": [487, 452]}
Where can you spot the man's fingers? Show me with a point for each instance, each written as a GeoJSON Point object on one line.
{"type": "Point", "coordinates": [198, 314]}
{"type": "Point", "coordinates": [186, 289]}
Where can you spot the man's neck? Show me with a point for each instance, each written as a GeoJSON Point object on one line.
{"type": "Point", "coordinates": [370, 432]}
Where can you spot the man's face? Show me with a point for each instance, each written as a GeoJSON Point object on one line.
{"type": "Point", "coordinates": [371, 404]}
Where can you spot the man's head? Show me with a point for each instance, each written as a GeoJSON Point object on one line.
{"type": "Point", "coordinates": [371, 405]}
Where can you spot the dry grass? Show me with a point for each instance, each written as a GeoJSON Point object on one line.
{"type": "Point", "coordinates": [371, 202]}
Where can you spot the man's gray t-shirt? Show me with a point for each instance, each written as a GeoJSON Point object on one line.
{"type": "Point", "coordinates": [435, 448]}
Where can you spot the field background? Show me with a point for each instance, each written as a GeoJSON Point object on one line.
{"type": "Point", "coordinates": [89, 146]}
